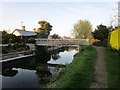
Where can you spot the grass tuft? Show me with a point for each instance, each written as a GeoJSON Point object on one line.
{"type": "Point", "coordinates": [112, 62]}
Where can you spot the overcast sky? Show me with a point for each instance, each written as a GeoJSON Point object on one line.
{"type": "Point", "coordinates": [61, 15]}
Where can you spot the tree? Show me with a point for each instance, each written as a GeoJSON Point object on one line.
{"type": "Point", "coordinates": [55, 36]}
{"type": "Point", "coordinates": [101, 33]}
{"type": "Point", "coordinates": [44, 30]}
{"type": "Point", "coordinates": [82, 29]}
{"type": "Point", "coordinates": [4, 32]}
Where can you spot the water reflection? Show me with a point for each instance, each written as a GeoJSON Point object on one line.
{"type": "Point", "coordinates": [42, 55]}
{"type": "Point", "coordinates": [44, 73]}
{"type": "Point", "coordinates": [55, 56]}
{"type": "Point", "coordinates": [9, 72]}
{"type": "Point", "coordinates": [34, 72]}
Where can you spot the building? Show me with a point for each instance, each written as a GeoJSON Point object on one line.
{"type": "Point", "coordinates": [23, 34]}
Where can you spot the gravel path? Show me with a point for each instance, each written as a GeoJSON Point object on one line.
{"type": "Point", "coordinates": [99, 74]}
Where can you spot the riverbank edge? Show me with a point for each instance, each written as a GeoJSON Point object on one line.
{"type": "Point", "coordinates": [78, 74]}
{"type": "Point", "coordinates": [112, 64]}
{"type": "Point", "coordinates": [15, 58]}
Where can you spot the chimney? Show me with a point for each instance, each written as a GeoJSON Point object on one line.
{"type": "Point", "coordinates": [23, 27]}
{"type": "Point", "coordinates": [34, 29]}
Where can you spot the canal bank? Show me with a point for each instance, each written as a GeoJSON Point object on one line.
{"type": "Point", "coordinates": [78, 74]}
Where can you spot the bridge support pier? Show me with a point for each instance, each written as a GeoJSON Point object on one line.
{"type": "Point", "coordinates": [79, 47]}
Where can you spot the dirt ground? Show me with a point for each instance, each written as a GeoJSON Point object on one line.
{"type": "Point", "coordinates": [99, 74]}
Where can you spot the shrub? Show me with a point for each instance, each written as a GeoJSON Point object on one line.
{"type": "Point", "coordinates": [20, 47]}
{"type": "Point", "coordinates": [4, 50]}
{"type": "Point", "coordinates": [101, 43]}
{"type": "Point", "coordinates": [27, 47]}
{"type": "Point", "coordinates": [11, 40]}
{"type": "Point", "coordinates": [7, 37]}
{"type": "Point", "coordinates": [31, 40]}
{"type": "Point", "coordinates": [16, 46]}
{"type": "Point", "coordinates": [97, 43]}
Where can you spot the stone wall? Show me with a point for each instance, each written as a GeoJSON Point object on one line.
{"type": "Point", "coordinates": [32, 47]}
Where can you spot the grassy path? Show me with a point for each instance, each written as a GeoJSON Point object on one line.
{"type": "Point", "coordinates": [99, 75]}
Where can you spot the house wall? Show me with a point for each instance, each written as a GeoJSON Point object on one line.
{"type": "Point", "coordinates": [17, 33]}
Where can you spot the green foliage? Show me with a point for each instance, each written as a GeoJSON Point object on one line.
{"type": "Point", "coordinates": [101, 33]}
{"type": "Point", "coordinates": [101, 43]}
{"type": "Point", "coordinates": [11, 40]}
{"type": "Point", "coordinates": [42, 34]}
{"type": "Point", "coordinates": [78, 74]}
{"type": "Point", "coordinates": [16, 46]}
{"type": "Point", "coordinates": [44, 30]}
{"type": "Point", "coordinates": [108, 41]}
{"type": "Point", "coordinates": [97, 43]}
{"type": "Point", "coordinates": [55, 36]}
{"type": "Point", "coordinates": [5, 50]}
{"type": "Point", "coordinates": [20, 46]}
{"type": "Point", "coordinates": [82, 29]}
{"type": "Point", "coordinates": [6, 37]}
{"type": "Point", "coordinates": [31, 40]}
{"type": "Point", "coordinates": [112, 63]}
{"type": "Point", "coordinates": [4, 32]}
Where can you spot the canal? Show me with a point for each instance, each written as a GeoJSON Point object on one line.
{"type": "Point", "coordinates": [37, 71]}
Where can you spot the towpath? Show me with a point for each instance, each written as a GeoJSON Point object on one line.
{"type": "Point", "coordinates": [100, 73]}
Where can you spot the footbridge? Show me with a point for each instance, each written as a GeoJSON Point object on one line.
{"type": "Point", "coordinates": [61, 42]}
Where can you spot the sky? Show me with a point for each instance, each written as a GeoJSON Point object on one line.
{"type": "Point", "coordinates": [61, 15]}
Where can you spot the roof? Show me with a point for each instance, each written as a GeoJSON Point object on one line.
{"type": "Point", "coordinates": [25, 33]}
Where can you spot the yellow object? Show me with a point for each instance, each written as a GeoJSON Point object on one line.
{"type": "Point", "coordinates": [115, 39]}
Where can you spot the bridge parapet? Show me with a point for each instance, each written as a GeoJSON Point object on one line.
{"type": "Point", "coordinates": [54, 42]}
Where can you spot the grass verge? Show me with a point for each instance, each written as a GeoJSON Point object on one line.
{"type": "Point", "coordinates": [78, 74]}
{"type": "Point", "coordinates": [112, 62]}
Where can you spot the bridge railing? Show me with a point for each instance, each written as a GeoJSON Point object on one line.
{"type": "Point", "coordinates": [62, 41]}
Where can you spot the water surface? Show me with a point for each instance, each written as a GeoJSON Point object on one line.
{"type": "Point", "coordinates": [34, 72]}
